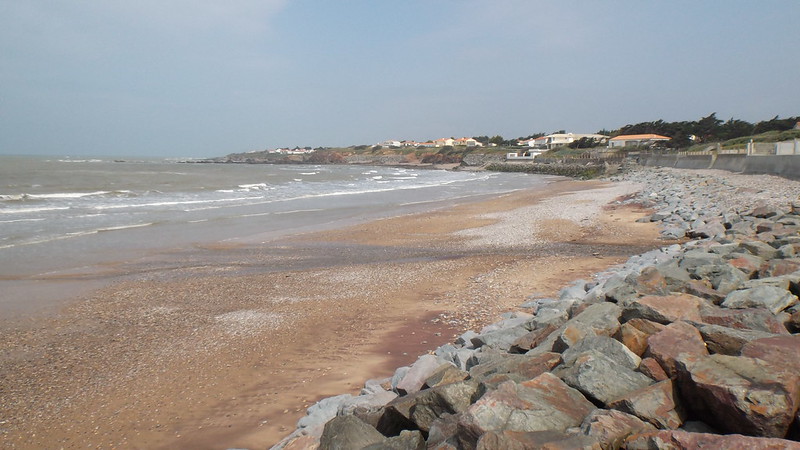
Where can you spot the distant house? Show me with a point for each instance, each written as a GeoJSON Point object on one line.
{"type": "Point", "coordinates": [444, 142]}
{"type": "Point", "coordinates": [391, 144]}
{"type": "Point", "coordinates": [552, 141]}
{"type": "Point", "coordinates": [636, 140]}
{"type": "Point", "coordinates": [469, 142]}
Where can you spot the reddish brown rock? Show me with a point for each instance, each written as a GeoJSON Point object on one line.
{"type": "Point", "coordinates": [747, 265]}
{"type": "Point", "coordinates": [633, 338]}
{"type": "Point", "coordinates": [635, 332]}
{"type": "Point", "coordinates": [682, 440]}
{"type": "Point", "coordinates": [653, 369]}
{"type": "Point", "coordinates": [651, 282]}
{"type": "Point", "coordinates": [656, 404]}
{"type": "Point", "coordinates": [778, 267]}
{"type": "Point", "coordinates": [747, 319]}
{"type": "Point", "coordinates": [674, 340]}
{"type": "Point", "coordinates": [704, 290]}
{"type": "Point", "coordinates": [781, 351]}
{"type": "Point", "coordinates": [737, 394]}
{"type": "Point", "coordinates": [533, 339]}
{"type": "Point", "coordinates": [665, 309]}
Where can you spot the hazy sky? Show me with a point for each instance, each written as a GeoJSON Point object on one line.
{"type": "Point", "coordinates": [210, 77]}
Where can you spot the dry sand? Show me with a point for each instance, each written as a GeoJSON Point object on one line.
{"type": "Point", "coordinates": [226, 347]}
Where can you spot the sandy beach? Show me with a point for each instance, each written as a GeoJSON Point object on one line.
{"type": "Point", "coordinates": [226, 346]}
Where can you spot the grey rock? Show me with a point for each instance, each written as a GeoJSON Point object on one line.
{"type": "Point", "coordinates": [500, 339]}
{"type": "Point", "coordinates": [657, 404]}
{"type": "Point", "coordinates": [415, 377]}
{"type": "Point", "coordinates": [772, 298]}
{"type": "Point", "coordinates": [619, 290]}
{"type": "Point", "coordinates": [600, 319]}
{"type": "Point", "coordinates": [609, 347]}
{"type": "Point", "coordinates": [543, 404]}
{"type": "Point", "coordinates": [323, 411]}
{"type": "Point", "coordinates": [407, 440]}
{"type": "Point", "coordinates": [759, 249]}
{"type": "Point", "coordinates": [601, 378]}
{"type": "Point", "coordinates": [514, 440]}
{"type": "Point", "coordinates": [611, 427]}
{"type": "Point", "coordinates": [347, 433]}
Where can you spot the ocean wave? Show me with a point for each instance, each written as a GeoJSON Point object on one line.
{"type": "Point", "coordinates": [32, 210]}
{"type": "Point", "coordinates": [63, 195]}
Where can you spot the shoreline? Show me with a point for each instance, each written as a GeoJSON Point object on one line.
{"type": "Point", "coordinates": [222, 355]}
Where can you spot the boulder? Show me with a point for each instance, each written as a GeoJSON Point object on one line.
{"type": "Point", "coordinates": [635, 332]}
{"type": "Point", "coordinates": [600, 319]}
{"type": "Point", "coordinates": [444, 431]}
{"type": "Point", "coordinates": [447, 399]}
{"type": "Point", "coordinates": [702, 289]}
{"type": "Point", "coordinates": [683, 440]}
{"type": "Point", "coordinates": [781, 351]}
{"type": "Point", "coordinates": [533, 338]}
{"type": "Point", "coordinates": [793, 324]}
{"type": "Point", "coordinates": [747, 263]}
{"type": "Point", "coordinates": [445, 374]}
{"type": "Point", "coordinates": [552, 440]}
{"type": "Point", "coordinates": [618, 290]}
{"type": "Point", "coordinates": [727, 341]}
{"type": "Point", "coordinates": [656, 404]}
{"type": "Point", "coordinates": [772, 298]}
{"type": "Point", "coordinates": [543, 404]}
{"type": "Point", "coordinates": [651, 282]}
{"type": "Point", "coordinates": [348, 432]}
{"type": "Point", "coordinates": [760, 249]}
{"type": "Point", "coordinates": [664, 309]}
{"type": "Point", "coordinates": [653, 369]}
{"type": "Point", "coordinates": [611, 427]}
{"type": "Point", "coordinates": [407, 440]}
{"type": "Point", "coordinates": [778, 267]}
{"type": "Point", "coordinates": [526, 366]}
{"type": "Point", "coordinates": [601, 378]}
{"type": "Point", "coordinates": [745, 319]}
{"type": "Point", "coordinates": [737, 394]}
{"type": "Point", "coordinates": [323, 411]}
{"type": "Point", "coordinates": [609, 347]}
{"type": "Point", "coordinates": [415, 378]}
{"type": "Point", "coordinates": [674, 340]}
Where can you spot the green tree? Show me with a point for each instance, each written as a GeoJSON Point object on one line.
{"type": "Point", "coordinates": [498, 140]}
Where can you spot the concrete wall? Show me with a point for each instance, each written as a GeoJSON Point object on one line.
{"type": "Point", "coordinates": [784, 165]}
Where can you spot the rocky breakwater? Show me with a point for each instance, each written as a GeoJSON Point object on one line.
{"type": "Point", "coordinates": [692, 345]}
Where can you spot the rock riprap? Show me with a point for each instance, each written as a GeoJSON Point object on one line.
{"type": "Point", "coordinates": [689, 345]}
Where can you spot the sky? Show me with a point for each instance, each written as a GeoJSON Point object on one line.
{"type": "Point", "coordinates": [200, 78]}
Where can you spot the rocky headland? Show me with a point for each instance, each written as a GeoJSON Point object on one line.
{"type": "Point", "coordinates": [691, 345]}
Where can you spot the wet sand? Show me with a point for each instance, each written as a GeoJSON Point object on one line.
{"type": "Point", "coordinates": [226, 346]}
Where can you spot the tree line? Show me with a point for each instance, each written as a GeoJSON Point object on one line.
{"type": "Point", "coordinates": [683, 134]}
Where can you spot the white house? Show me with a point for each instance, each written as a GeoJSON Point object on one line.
{"type": "Point", "coordinates": [444, 142]}
{"type": "Point", "coordinates": [469, 142]}
{"type": "Point", "coordinates": [552, 141]}
{"type": "Point", "coordinates": [636, 140]}
{"type": "Point", "coordinates": [391, 143]}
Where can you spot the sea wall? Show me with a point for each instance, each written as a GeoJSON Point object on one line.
{"type": "Point", "coordinates": [694, 344]}
{"type": "Point", "coordinates": [784, 165]}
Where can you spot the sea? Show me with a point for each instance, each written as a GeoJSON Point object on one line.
{"type": "Point", "coordinates": [60, 216]}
